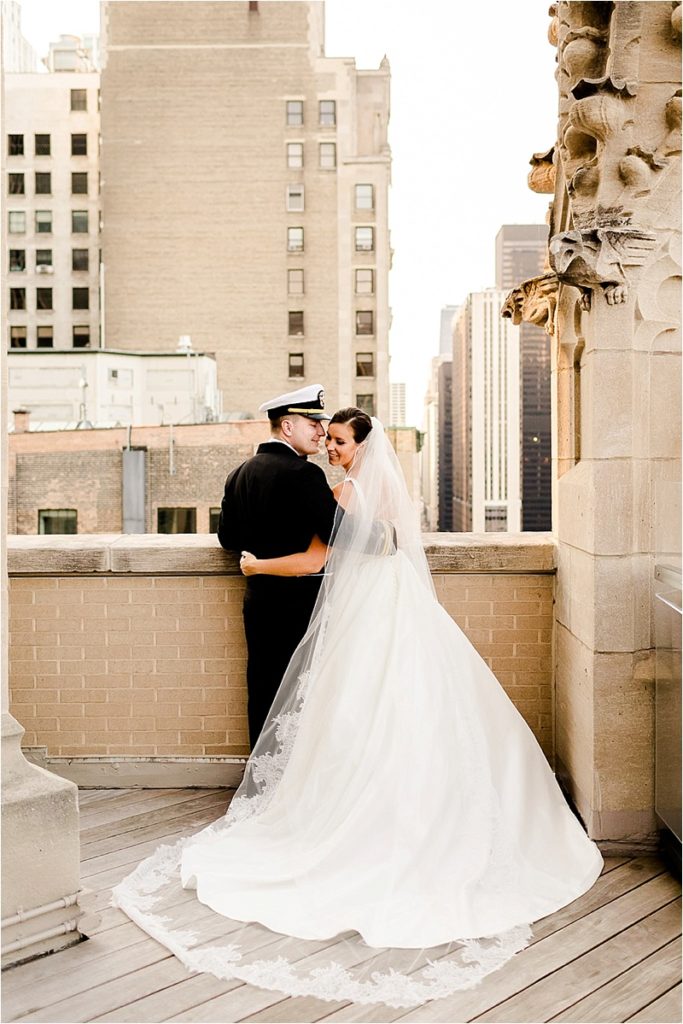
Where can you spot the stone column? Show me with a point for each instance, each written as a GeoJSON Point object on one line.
{"type": "Point", "coordinates": [40, 848]}
{"type": "Point", "coordinates": [614, 247]}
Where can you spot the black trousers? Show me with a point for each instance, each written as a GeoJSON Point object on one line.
{"type": "Point", "coordinates": [275, 619]}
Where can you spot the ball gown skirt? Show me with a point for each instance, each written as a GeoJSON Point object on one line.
{"type": "Point", "coordinates": [413, 828]}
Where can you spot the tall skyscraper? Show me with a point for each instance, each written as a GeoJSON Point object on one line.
{"type": "Point", "coordinates": [485, 384]}
{"type": "Point", "coordinates": [17, 53]}
{"type": "Point", "coordinates": [244, 192]}
{"type": "Point", "coordinates": [520, 254]}
{"type": "Point", "coordinates": [397, 404]}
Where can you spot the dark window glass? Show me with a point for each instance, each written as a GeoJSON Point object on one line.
{"type": "Point", "coordinates": [80, 298]}
{"type": "Point", "coordinates": [365, 322]}
{"type": "Point", "coordinates": [17, 337]}
{"type": "Point", "coordinates": [296, 364]}
{"type": "Point", "coordinates": [17, 259]}
{"type": "Point", "coordinates": [79, 222]}
{"type": "Point", "coordinates": [295, 322]}
{"type": "Point", "coordinates": [366, 403]}
{"type": "Point", "coordinates": [15, 145]}
{"type": "Point", "coordinates": [43, 258]}
{"type": "Point", "coordinates": [42, 145]}
{"type": "Point", "coordinates": [79, 99]}
{"type": "Point", "coordinates": [79, 183]}
{"type": "Point", "coordinates": [295, 112]}
{"type": "Point", "coordinates": [79, 259]}
{"type": "Point", "coordinates": [328, 112]}
{"type": "Point", "coordinates": [43, 183]}
{"type": "Point", "coordinates": [176, 520]}
{"type": "Point", "coordinates": [17, 298]}
{"type": "Point", "coordinates": [81, 336]}
{"type": "Point", "coordinates": [57, 520]}
{"type": "Point", "coordinates": [214, 517]}
{"type": "Point", "coordinates": [79, 145]}
{"type": "Point", "coordinates": [44, 337]}
{"type": "Point", "coordinates": [365, 364]}
{"type": "Point", "coordinates": [43, 298]}
{"type": "Point", "coordinates": [16, 185]}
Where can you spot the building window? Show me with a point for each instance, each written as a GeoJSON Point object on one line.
{"type": "Point", "coordinates": [295, 198]}
{"type": "Point", "coordinates": [15, 145]}
{"type": "Point", "coordinates": [295, 154]}
{"type": "Point", "coordinates": [43, 298]}
{"type": "Point", "coordinates": [296, 364]}
{"type": "Point", "coordinates": [43, 183]}
{"type": "Point", "coordinates": [176, 520]}
{"type": "Point", "coordinates": [365, 239]}
{"type": "Point", "coordinates": [17, 222]}
{"type": "Point", "coordinates": [16, 184]}
{"type": "Point", "coordinates": [365, 281]}
{"type": "Point", "coordinates": [327, 113]}
{"type": "Point", "coordinates": [17, 337]}
{"type": "Point", "coordinates": [328, 155]}
{"type": "Point", "coordinates": [365, 321]}
{"type": "Point", "coordinates": [44, 222]}
{"type": "Point", "coordinates": [366, 403]}
{"type": "Point", "coordinates": [295, 112]}
{"type": "Point", "coordinates": [44, 337]}
{"type": "Point", "coordinates": [365, 364]}
{"type": "Point", "coordinates": [17, 260]}
{"type": "Point", "coordinates": [295, 282]}
{"type": "Point", "coordinates": [57, 520]}
{"type": "Point", "coordinates": [42, 144]}
{"type": "Point", "coordinates": [79, 222]}
{"type": "Point", "coordinates": [79, 145]}
{"type": "Point", "coordinates": [295, 239]}
{"type": "Point", "coordinates": [17, 298]}
{"type": "Point", "coordinates": [80, 259]}
{"type": "Point", "coordinates": [365, 197]}
{"type": "Point", "coordinates": [43, 259]}
{"type": "Point", "coordinates": [81, 336]}
{"type": "Point", "coordinates": [295, 322]}
{"type": "Point", "coordinates": [79, 99]}
{"type": "Point", "coordinates": [214, 519]}
{"type": "Point", "coordinates": [79, 183]}
{"type": "Point", "coordinates": [80, 298]}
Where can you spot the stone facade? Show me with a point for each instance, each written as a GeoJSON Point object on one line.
{"type": "Point", "coordinates": [206, 108]}
{"type": "Point", "coordinates": [612, 305]}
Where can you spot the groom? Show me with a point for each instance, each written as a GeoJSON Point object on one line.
{"type": "Point", "coordinates": [274, 503]}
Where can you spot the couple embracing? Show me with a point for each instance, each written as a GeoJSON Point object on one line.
{"type": "Point", "coordinates": [398, 828]}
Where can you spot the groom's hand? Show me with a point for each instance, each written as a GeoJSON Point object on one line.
{"type": "Point", "coordinates": [248, 563]}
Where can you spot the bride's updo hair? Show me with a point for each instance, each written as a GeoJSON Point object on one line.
{"type": "Point", "coordinates": [359, 421]}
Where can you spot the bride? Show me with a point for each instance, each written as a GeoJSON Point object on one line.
{"type": "Point", "coordinates": [398, 828]}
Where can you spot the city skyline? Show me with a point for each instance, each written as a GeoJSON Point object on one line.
{"type": "Point", "coordinates": [459, 163]}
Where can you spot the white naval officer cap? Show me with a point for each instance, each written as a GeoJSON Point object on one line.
{"type": "Point", "coordinates": [308, 401]}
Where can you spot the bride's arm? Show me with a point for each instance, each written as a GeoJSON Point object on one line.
{"type": "Point", "coordinates": [303, 563]}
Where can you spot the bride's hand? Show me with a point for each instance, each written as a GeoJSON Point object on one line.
{"type": "Point", "coordinates": [248, 563]}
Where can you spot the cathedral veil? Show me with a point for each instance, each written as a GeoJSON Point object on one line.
{"type": "Point", "coordinates": [374, 810]}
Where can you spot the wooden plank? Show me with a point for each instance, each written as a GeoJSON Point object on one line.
{"type": "Point", "coordinates": [610, 863]}
{"type": "Point", "coordinates": [665, 1010]}
{"type": "Point", "coordinates": [133, 808]}
{"type": "Point", "coordinates": [125, 797]}
{"type": "Point", "coordinates": [177, 998]}
{"type": "Point", "coordinates": [549, 996]}
{"type": "Point", "coordinates": [152, 817]}
{"type": "Point", "coordinates": [87, 796]}
{"type": "Point", "coordinates": [210, 810]}
{"type": "Point", "coordinates": [625, 995]}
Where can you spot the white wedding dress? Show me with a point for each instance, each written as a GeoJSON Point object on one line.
{"type": "Point", "coordinates": [397, 814]}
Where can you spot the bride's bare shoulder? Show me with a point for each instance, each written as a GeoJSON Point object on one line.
{"type": "Point", "coordinates": [337, 489]}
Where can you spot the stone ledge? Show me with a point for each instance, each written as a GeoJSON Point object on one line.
{"type": "Point", "coordinates": [152, 554]}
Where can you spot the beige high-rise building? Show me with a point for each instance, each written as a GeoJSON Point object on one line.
{"type": "Point", "coordinates": [244, 190]}
{"type": "Point", "coordinates": [51, 268]}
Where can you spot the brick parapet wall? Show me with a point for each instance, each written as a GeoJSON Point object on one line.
{"type": "Point", "coordinates": [133, 645]}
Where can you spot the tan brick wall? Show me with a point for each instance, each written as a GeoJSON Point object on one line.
{"type": "Point", "coordinates": [154, 665]}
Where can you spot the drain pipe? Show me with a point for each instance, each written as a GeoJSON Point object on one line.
{"type": "Point", "coordinates": [50, 933]}
{"type": "Point", "coordinates": [26, 915]}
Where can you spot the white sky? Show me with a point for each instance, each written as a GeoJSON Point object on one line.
{"type": "Point", "coordinates": [472, 97]}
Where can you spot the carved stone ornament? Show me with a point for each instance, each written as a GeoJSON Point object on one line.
{"type": "Point", "coordinates": [533, 302]}
{"type": "Point", "coordinates": [601, 257]}
{"type": "Point", "coordinates": [676, 21]}
{"type": "Point", "coordinates": [542, 174]}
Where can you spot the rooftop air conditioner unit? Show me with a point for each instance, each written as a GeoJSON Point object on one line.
{"type": "Point", "coordinates": [44, 268]}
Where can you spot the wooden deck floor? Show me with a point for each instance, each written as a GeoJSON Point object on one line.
{"type": "Point", "coordinates": [613, 955]}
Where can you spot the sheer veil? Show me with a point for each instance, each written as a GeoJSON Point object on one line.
{"type": "Point", "coordinates": [291, 792]}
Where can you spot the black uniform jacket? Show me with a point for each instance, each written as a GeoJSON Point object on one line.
{"type": "Point", "coordinates": [274, 503]}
